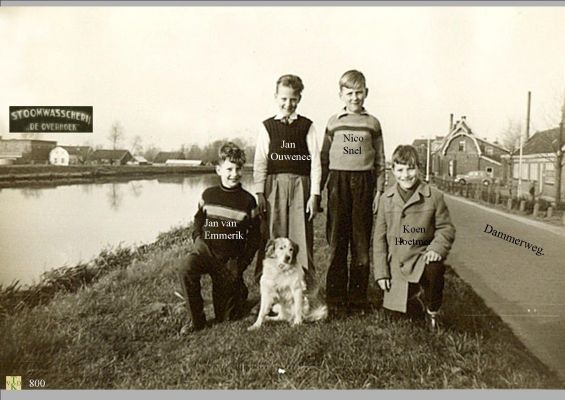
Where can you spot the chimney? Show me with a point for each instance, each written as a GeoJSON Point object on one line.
{"type": "Point", "coordinates": [464, 118]}
{"type": "Point", "coordinates": [450, 122]}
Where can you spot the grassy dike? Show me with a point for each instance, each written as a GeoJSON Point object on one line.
{"type": "Point", "coordinates": [122, 331]}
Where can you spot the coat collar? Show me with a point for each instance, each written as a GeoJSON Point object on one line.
{"type": "Point", "coordinates": [422, 189]}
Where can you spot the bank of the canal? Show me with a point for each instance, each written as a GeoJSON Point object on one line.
{"type": "Point", "coordinates": [34, 175]}
{"type": "Point", "coordinates": [116, 323]}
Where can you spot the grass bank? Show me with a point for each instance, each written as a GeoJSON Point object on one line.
{"type": "Point", "coordinates": [26, 175]}
{"type": "Point", "coordinates": [122, 331]}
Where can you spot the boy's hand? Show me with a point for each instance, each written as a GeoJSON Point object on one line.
{"type": "Point", "coordinates": [312, 207]}
{"type": "Point", "coordinates": [431, 256]}
{"type": "Point", "coordinates": [384, 284]}
{"type": "Point", "coordinates": [261, 203]}
{"type": "Point", "coordinates": [376, 202]}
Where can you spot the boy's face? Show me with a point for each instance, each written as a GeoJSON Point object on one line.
{"type": "Point", "coordinates": [405, 175]}
{"type": "Point", "coordinates": [287, 100]}
{"type": "Point", "coordinates": [230, 173]}
{"type": "Point", "coordinates": [354, 98]}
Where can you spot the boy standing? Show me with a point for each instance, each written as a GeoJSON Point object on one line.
{"type": "Point", "coordinates": [353, 164]}
{"type": "Point", "coordinates": [413, 235]}
{"type": "Point", "coordinates": [226, 236]}
{"type": "Point", "coordinates": [287, 174]}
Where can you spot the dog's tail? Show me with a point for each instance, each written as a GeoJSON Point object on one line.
{"type": "Point", "coordinates": [317, 314]}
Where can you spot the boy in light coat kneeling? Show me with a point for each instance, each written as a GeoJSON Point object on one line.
{"type": "Point", "coordinates": [413, 236]}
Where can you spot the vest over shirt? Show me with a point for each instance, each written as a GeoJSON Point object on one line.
{"type": "Point", "coordinates": [295, 160]}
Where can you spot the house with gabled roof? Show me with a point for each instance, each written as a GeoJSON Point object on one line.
{"type": "Point", "coordinates": [69, 155]}
{"type": "Point", "coordinates": [538, 163]}
{"type": "Point", "coordinates": [111, 157]}
{"type": "Point", "coordinates": [163, 156]}
{"type": "Point", "coordinates": [463, 151]}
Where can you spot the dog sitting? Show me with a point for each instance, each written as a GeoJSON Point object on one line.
{"type": "Point", "coordinates": [283, 287]}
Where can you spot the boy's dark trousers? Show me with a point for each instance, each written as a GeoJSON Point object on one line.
{"type": "Point", "coordinates": [431, 284]}
{"type": "Point", "coordinates": [349, 223]}
{"type": "Point", "coordinates": [229, 292]}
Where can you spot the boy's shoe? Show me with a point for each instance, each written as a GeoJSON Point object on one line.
{"type": "Point", "coordinates": [433, 319]}
{"type": "Point", "coordinates": [336, 313]}
{"type": "Point", "coordinates": [191, 328]}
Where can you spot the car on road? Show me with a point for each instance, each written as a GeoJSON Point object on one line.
{"type": "Point", "coordinates": [481, 177]}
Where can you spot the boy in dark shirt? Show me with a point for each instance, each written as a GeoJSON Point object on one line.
{"type": "Point", "coordinates": [226, 236]}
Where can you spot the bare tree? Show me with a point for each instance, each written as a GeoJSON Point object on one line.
{"type": "Point", "coordinates": [116, 134]}
{"type": "Point", "coordinates": [150, 152]}
{"type": "Point", "coordinates": [511, 135]}
{"type": "Point", "coordinates": [136, 146]}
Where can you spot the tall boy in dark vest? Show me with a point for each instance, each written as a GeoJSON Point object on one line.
{"type": "Point", "coordinates": [287, 173]}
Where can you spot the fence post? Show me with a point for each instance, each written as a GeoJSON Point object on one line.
{"type": "Point", "coordinates": [509, 203]}
{"type": "Point", "coordinates": [536, 209]}
{"type": "Point", "coordinates": [522, 205]}
{"type": "Point", "coordinates": [549, 212]}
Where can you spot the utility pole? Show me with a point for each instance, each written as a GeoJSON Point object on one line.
{"type": "Point", "coordinates": [428, 159]}
{"type": "Point", "coordinates": [528, 117]}
{"type": "Point", "coordinates": [559, 158]}
{"type": "Point", "coordinates": [527, 136]}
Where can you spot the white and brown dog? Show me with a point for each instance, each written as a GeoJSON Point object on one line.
{"type": "Point", "coordinates": [283, 287]}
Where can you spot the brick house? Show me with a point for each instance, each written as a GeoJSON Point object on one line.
{"type": "Point", "coordinates": [26, 151]}
{"type": "Point", "coordinates": [462, 151]}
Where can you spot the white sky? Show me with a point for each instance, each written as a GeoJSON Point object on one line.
{"type": "Point", "coordinates": [192, 74]}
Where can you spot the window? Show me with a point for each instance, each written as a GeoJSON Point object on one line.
{"type": "Point", "coordinates": [524, 170]}
{"type": "Point", "coordinates": [461, 145]}
{"type": "Point", "coordinates": [549, 166]}
{"type": "Point", "coordinates": [489, 151]}
{"type": "Point", "coordinates": [489, 171]}
{"type": "Point", "coordinates": [516, 170]}
{"type": "Point", "coordinates": [534, 172]}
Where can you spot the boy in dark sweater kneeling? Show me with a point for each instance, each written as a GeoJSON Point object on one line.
{"type": "Point", "coordinates": [226, 236]}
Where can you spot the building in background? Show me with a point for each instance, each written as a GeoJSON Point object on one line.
{"type": "Point", "coordinates": [111, 157]}
{"type": "Point", "coordinates": [70, 155]}
{"type": "Point", "coordinates": [462, 151]}
{"type": "Point", "coordinates": [538, 164]}
{"type": "Point", "coordinates": [25, 151]}
{"type": "Point", "coordinates": [163, 156]}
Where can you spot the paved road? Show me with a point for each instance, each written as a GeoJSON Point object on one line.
{"type": "Point", "coordinates": [527, 291]}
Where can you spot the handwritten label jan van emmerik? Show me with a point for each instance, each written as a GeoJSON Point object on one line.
{"type": "Point", "coordinates": [352, 138]}
{"type": "Point", "coordinates": [489, 229]}
{"type": "Point", "coordinates": [237, 235]}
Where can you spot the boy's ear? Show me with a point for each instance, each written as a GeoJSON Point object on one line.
{"type": "Point", "coordinates": [218, 169]}
{"type": "Point", "coordinates": [366, 92]}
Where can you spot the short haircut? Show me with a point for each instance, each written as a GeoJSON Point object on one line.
{"type": "Point", "coordinates": [231, 152]}
{"type": "Point", "coordinates": [352, 79]}
{"type": "Point", "coordinates": [292, 81]}
{"type": "Point", "coordinates": [407, 155]}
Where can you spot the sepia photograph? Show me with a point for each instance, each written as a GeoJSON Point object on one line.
{"type": "Point", "coordinates": [282, 196]}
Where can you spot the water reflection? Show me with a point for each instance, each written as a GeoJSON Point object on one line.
{"type": "Point", "coordinates": [31, 193]}
{"type": "Point", "coordinates": [114, 196]}
{"type": "Point", "coordinates": [71, 223]}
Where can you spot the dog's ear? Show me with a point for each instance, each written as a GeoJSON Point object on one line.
{"type": "Point", "coordinates": [270, 248]}
{"type": "Point", "coordinates": [295, 252]}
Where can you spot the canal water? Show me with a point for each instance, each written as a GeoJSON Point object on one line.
{"type": "Point", "coordinates": [46, 228]}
